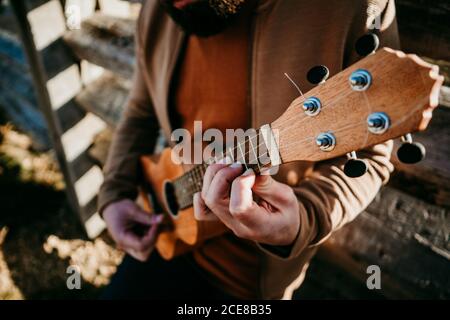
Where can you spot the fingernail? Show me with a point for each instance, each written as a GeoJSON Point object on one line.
{"type": "Point", "coordinates": [248, 172]}
{"type": "Point", "coordinates": [158, 218]}
{"type": "Point", "coordinates": [226, 160]}
{"type": "Point", "coordinates": [236, 165]}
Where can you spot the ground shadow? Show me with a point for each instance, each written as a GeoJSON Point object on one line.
{"type": "Point", "coordinates": [32, 212]}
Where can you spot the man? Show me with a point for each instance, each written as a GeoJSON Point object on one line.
{"type": "Point", "coordinates": [222, 62]}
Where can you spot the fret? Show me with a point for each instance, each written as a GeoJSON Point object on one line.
{"type": "Point", "coordinates": [243, 155]}
{"type": "Point", "coordinates": [198, 179]}
{"type": "Point", "coordinates": [246, 153]}
{"type": "Point", "coordinates": [195, 178]}
{"type": "Point", "coordinates": [254, 152]}
{"type": "Point", "coordinates": [182, 189]}
{"type": "Point", "coordinates": [231, 154]}
{"type": "Point", "coordinates": [202, 170]}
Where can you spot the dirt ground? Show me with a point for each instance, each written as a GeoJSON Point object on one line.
{"type": "Point", "coordinates": [39, 235]}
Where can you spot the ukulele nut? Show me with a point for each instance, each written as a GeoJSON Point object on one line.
{"type": "Point", "coordinates": [326, 141]}
{"type": "Point", "coordinates": [312, 106]}
{"type": "Point", "coordinates": [378, 122]}
{"type": "Point", "coordinates": [360, 80]}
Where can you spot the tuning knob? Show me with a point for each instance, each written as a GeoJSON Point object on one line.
{"type": "Point", "coordinates": [354, 167]}
{"type": "Point", "coordinates": [410, 152]}
{"type": "Point", "coordinates": [318, 74]}
{"type": "Point", "coordinates": [367, 44]}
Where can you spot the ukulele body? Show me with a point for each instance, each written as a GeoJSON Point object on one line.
{"type": "Point", "coordinates": [180, 231]}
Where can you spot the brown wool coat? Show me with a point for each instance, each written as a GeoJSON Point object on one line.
{"type": "Point", "coordinates": [287, 36]}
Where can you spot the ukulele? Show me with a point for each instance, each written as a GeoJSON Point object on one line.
{"type": "Point", "coordinates": [386, 95]}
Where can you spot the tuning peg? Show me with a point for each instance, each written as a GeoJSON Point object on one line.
{"type": "Point", "coordinates": [410, 152]}
{"type": "Point", "coordinates": [318, 74]}
{"type": "Point", "coordinates": [367, 44]}
{"type": "Point", "coordinates": [354, 167]}
{"type": "Point", "coordinates": [360, 80]}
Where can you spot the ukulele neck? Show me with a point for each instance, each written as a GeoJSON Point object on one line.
{"type": "Point", "coordinates": [255, 149]}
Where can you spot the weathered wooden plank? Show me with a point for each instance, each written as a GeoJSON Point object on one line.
{"type": "Point", "coordinates": [103, 47]}
{"type": "Point", "coordinates": [99, 149]}
{"type": "Point", "coordinates": [119, 27]}
{"type": "Point", "coordinates": [82, 164]}
{"type": "Point", "coordinates": [119, 30]}
{"type": "Point", "coordinates": [79, 138]}
{"type": "Point", "coordinates": [407, 216]}
{"type": "Point", "coordinates": [328, 278]}
{"type": "Point", "coordinates": [69, 115]}
{"type": "Point", "coordinates": [33, 4]}
{"type": "Point", "coordinates": [105, 97]}
{"type": "Point", "coordinates": [57, 57]}
{"type": "Point", "coordinates": [444, 68]}
{"type": "Point", "coordinates": [444, 97]}
{"type": "Point", "coordinates": [407, 238]}
{"type": "Point", "coordinates": [428, 179]}
{"type": "Point", "coordinates": [424, 27]}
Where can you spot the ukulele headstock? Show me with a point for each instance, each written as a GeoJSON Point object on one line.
{"type": "Point", "coordinates": [386, 95]}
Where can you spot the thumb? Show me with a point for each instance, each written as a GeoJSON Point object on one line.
{"type": "Point", "coordinates": [263, 185]}
{"type": "Point", "coordinates": [201, 211]}
{"type": "Point", "coordinates": [268, 189]}
{"type": "Point", "coordinates": [142, 217]}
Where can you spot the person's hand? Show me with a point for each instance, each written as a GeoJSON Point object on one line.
{"type": "Point", "coordinates": [255, 208]}
{"type": "Point", "coordinates": [133, 229]}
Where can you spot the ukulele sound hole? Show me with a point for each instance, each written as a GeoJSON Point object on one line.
{"type": "Point", "coordinates": [171, 198]}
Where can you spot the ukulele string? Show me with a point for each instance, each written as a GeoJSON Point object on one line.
{"type": "Point", "coordinates": [194, 171]}
{"type": "Point", "coordinates": [364, 123]}
{"type": "Point", "coordinates": [351, 126]}
{"type": "Point", "coordinates": [395, 124]}
{"type": "Point", "coordinates": [222, 156]}
{"type": "Point", "coordinates": [294, 84]}
{"type": "Point", "coordinates": [235, 149]}
{"type": "Point", "coordinates": [250, 139]}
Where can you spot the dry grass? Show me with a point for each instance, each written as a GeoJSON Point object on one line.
{"type": "Point", "coordinates": [39, 236]}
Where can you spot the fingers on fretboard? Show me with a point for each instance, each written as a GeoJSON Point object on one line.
{"type": "Point", "coordinates": [250, 150]}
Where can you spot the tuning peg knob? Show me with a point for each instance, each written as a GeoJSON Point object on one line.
{"type": "Point", "coordinates": [367, 44]}
{"type": "Point", "coordinates": [312, 106]}
{"type": "Point", "coordinates": [326, 141]}
{"type": "Point", "coordinates": [360, 80]}
{"type": "Point", "coordinates": [355, 167]}
{"type": "Point", "coordinates": [410, 152]}
{"type": "Point", "coordinates": [318, 74]}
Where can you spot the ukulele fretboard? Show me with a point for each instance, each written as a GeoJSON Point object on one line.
{"type": "Point", "coordinates": [250, 151]}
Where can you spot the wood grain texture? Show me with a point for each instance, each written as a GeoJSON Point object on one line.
{"type": "Point", "coordinates": [119, 27]}
{"type": "Point", "coordinates": [406, 237]}
{"type": "Point", "coordinates": [106, 97]}
{"type": "Point", "coordinates": [105, 42]}
{"type": "Point", "coordinates": [404, 87]}
{"type": "Point", "coordinates": [424, 28]}
{"type": "Point", "coordinates": [428, 179]}
{"type": "Point", "coordinates": [156, 170]}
